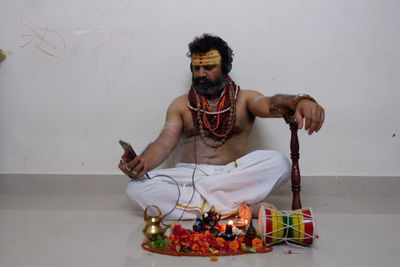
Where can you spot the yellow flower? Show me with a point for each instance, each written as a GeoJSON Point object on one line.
{"type": "Point", "coordinates": [213, 258]}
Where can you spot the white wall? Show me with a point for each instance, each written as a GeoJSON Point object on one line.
{"type": "Point", "coordinates": [80, 75]}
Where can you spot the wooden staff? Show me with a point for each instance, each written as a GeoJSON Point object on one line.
{"type": "Point", "coordinates": [288, 115]}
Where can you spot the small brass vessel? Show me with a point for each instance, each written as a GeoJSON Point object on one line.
{"type": "Point", "coordinates": [153, 224]}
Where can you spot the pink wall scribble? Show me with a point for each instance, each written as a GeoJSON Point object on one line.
{"type": "Point", "coordinates": [49, 42]}
{"type": "Point", "coordinates": [113, 56]}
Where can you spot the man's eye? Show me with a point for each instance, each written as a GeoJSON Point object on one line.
{"type": "Point", "coordinates": [196, 68]}
{"type": "Point", "coordinates": [209, 67]}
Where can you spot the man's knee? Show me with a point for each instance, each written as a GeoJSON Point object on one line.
{"type": "Point", "coordinates": [136, 193]}
{"type": "Point", "coordinates": [283, 162]}
{"type": "Point", "coordinates": [278, 163]}
{"type": "Point", "coordinates": [283, 166]}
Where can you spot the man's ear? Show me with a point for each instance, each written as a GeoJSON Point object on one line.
{"type": "Point", "coordinates": [226, 68]}
{"type": "Point", "coordinates": [191, 67]}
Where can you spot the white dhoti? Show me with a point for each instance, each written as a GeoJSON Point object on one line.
{"type": "Point", "coordinates": [249, 179]}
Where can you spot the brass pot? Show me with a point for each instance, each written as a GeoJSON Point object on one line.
{"type": "Point", "coordinates": [153, 224]}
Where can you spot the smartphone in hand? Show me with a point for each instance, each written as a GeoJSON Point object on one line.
{"type": "Point", "coordinates": [127, 146]}
{"type": "Point", "coordinates": [131, 152]}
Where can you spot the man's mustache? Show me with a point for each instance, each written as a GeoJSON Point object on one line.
{"type": "Point", "coordinates": [203, 80]}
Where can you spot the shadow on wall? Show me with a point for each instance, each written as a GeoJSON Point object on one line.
{"type": "Point", "coordinates": [258, 139]}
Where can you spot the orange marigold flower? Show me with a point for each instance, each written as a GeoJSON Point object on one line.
{"type": "Point", "coordinates": [205, 244]}
{"type": "Point", "coordinates": [204, 250]}
{"type": "Point", "coordinates": [220, 242]}
{"type": "Point", "coordinates": [234, 245]}
{"type": "Point", "coordinates": [195, 247]}
{"type": "Point", "coordinates": [197, 237]}
{"type": "Point", "coordinates": [257, 243]}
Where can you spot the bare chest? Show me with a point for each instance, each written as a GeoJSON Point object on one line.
{"type": "Point", "coordinates": [243, 121]}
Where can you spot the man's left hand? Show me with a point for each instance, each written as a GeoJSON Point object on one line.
{"type": "Point", "coordinates": [312, 113]}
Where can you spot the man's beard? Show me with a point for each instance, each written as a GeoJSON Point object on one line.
{"type": "Point", "coordinates": [208, 88]}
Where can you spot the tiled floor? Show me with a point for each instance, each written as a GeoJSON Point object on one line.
{"type": "Point", "coordinates": [358, 220]}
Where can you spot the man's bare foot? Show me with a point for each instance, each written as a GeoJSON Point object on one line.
{"type": "Point", "coordinates": [255, 207]}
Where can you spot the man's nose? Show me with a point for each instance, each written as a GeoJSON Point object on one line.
{"type": "Point", "coordinates": [201, 72]}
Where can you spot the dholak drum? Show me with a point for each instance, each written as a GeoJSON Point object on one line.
{"type": "Point", "coordinates": [294, 226]}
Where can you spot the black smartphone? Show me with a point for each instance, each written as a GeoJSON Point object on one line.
{"type": "Point", "coordinates": [127, 146]}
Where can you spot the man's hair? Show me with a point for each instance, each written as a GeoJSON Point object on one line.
{"type": "Point", "coordinates": [206, 42]}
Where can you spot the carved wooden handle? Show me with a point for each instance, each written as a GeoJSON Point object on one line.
{"type": "Point", "coordinates": [288, 115]}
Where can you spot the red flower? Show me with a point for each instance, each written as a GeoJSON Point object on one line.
{"type": "Point", "coordinates": [178, 230]}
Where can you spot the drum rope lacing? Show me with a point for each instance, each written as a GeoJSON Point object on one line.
{"type": "Point", "coordinates": [286, 225]}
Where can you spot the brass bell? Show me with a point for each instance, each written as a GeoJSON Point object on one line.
{"type": "Point", "coordinates": [153, 224]}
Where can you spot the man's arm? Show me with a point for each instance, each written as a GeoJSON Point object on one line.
{"type": "Point", "coordinates": [159, 150]}
{"type": "Point", "coordinates": [305, 109]}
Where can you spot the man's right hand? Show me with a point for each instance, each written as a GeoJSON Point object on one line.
{"type": "Point", "coordinates": [134, 168]}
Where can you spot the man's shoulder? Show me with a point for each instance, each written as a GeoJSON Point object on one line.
{"type": "Point", "coordinates": [247, 93]}
{"type": "Point", "coordinates": [179, 102]}
{"type": "Point", "coordinates": [180, 99]}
